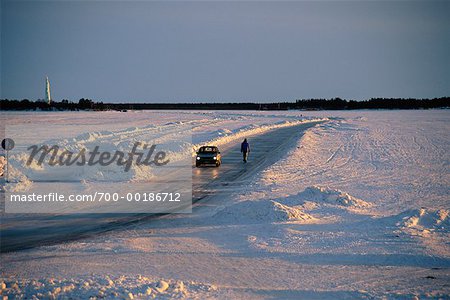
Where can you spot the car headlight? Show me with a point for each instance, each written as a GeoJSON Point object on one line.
{"type": "Point", "coordinates": [198, 158]}
{"type": "Point", "coordinates": [214, 158]}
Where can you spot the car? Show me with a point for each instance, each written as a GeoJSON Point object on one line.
{"type": "Point", "coordinates": [208, 155]}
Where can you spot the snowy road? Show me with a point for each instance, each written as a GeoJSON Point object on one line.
{"type": "Point", "coordinates": [265, 150]}
{"type": "Point", "coordinates": [38, 230]}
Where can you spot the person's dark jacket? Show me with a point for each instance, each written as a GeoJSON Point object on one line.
{"type": "Point", "coordinates": [245, 147]}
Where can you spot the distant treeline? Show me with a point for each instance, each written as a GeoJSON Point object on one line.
{"type": "Point", "coordinates": [25, 104]}
{"type": "Point", "coordinates": [305, 104]}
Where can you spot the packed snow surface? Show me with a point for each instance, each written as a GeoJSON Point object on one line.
{"type": "Point", "coordinates": [356, 208]}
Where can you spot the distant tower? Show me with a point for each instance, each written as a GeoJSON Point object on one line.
{"type": "Point", "coordinates": [48, 97]}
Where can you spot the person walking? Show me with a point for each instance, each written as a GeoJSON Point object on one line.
{"type": "Point", "coordinates": [245, 149]}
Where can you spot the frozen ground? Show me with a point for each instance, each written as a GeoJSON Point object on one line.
{"type": "Point", "coordinates": [356, 207]}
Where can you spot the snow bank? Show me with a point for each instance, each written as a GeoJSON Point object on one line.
{"type": "Point", "coordinates": [17, 180]}
{"type": "Point", "coordinates": [104, 287]}
{"type": "Point", "coordinates": [429, 226]}
{"type": "Point", "coordinates": [425, 220]}
{"type": "Point", "coordinates": [122, 140]}
{"type": "Point", "coordinates": [261, 211]}
{"type": "Point", "coordinates": [332, 196]}
{"type": "Point", "coordinates": [293, 208]}
{"type": "Point", "coordinates": [21, 175]}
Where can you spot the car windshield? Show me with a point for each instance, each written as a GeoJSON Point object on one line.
{"type": "Point", "coordinates": [208, 150]}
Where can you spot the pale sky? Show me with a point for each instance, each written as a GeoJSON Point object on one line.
{"type": "Point", "coordinates": [150, 51]}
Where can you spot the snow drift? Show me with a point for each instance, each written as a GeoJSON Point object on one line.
{"type": "Point", "coordinates": [333, 197]}
{"type": "Point", "coordinates": [261, 211]}
{"type": "Point", "coordinates": [293, 208]}
{"type": "Point", "coordinates": [425, 219]}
